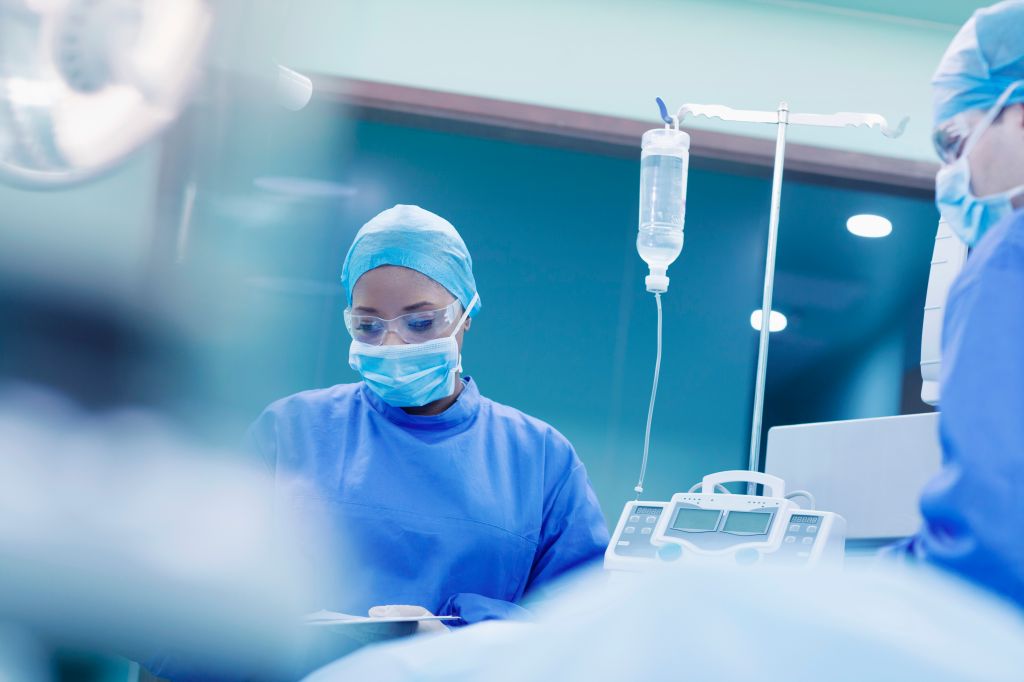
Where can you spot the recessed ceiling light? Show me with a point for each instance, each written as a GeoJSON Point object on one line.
{"type": "Point", "coordinates": [869, 226]}
{"type": "Point", "coordinates": [776, 321]}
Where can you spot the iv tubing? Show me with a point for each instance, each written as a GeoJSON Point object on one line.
{"type": "Point", "coordinates": [650, 410]}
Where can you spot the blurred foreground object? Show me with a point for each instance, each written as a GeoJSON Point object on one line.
{"type": "Point", "coordinates": [727, 625]}
{"type": "Point", "coordinates": [83, 83]}
{"type": "Point", "coordinates": [116, 536]}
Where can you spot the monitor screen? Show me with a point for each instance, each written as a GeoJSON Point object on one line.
{"type": "Point", "coordinates": [747, 522]}
{"type": "Point", "coordinates": [696, 519]}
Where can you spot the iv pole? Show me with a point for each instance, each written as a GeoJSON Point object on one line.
{"type": "Point", "coordinates": [783, 119]}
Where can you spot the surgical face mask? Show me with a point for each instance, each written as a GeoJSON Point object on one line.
{"type": "Point", "coordinates": [968, 215]}
{"type": "Point", "coordinates": [411, 375]}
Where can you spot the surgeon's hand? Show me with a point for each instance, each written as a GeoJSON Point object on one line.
{"type": "Point", "coordinates": [406, 611]}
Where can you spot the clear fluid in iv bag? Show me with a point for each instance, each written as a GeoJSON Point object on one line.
{"type": "Point", "coordinates": [659, 246]}
{"type": "Point", "coordinates": [659, 240]}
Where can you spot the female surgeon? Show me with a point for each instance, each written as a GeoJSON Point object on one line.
{"type": "Point", "coordinates": [441, 498]}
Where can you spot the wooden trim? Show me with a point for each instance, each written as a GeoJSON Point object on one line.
{"type": "Point", "coordinates": [598, 133]}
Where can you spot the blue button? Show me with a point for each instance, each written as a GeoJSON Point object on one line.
{"type": "Point", "coordinates": [670, 552]}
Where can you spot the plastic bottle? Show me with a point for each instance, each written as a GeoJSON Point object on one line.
{"type": "Point", "coordinates": [664, 163]}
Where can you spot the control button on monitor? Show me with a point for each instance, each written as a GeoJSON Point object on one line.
{"type": "Point", "coordinates": [645, 531]}
{"type": "Point", "coordinates": [790, 538]}
{"type": "Point", "coordinates": [652, 519]}
{"type": "Point", "coordinates": [630, 529]}
{"type": "Point", "coordinates": [794, 528]}
{"type": "Point", "coordinates": [634, 519]}
{"type": "Point", "coordinates": [808, 541]}
{"type": "Point", "coordinates": [812, 529]}
{"type": "Point", "coordinates": [670, 552]}
{"type": "Point", "coordinates": [623, 543]}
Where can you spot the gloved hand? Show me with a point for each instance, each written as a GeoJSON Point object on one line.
{"type": "Point", "coordinates": [475, 608]}
{"type": "Point", "coordinates": [405, 611]}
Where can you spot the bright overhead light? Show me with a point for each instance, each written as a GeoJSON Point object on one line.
{"type": "Point", "coordinates": [776, 321]}
{"type": "Point", "coordinates": [870, 226]}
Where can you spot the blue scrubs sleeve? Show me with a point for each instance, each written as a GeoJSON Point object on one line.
{"type": "Point", "coordinates": [972, 509]}
{"type": "Point", "coordinates": [574, 534]}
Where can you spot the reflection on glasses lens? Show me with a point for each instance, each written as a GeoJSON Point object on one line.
{"type": "Point", "coordinates": [949, 145]}
{"type": "Point", "coordinates": [951, 137]}
{"type": "Point", "coordinates": [366, 329]}
{"type": "Point", "coordinates": [421, 323]}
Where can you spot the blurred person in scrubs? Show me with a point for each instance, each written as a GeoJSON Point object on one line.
{"type": "Point", "coordinates": [973, 515]}
{"type": "Point", "coordinates": [441, 498]}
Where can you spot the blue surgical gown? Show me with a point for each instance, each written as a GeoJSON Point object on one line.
{"type": "Point", "coordinates": [973, 508]}
{"type": "Point", "coordinates": [462, 512]}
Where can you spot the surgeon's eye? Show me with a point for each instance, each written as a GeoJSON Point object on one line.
{"type": "Point", "coordinates": [367, 326]}
{"type": "Point", "coordinates": [420, 325]}
{"type": "Point", "coordinates": [950, 138]}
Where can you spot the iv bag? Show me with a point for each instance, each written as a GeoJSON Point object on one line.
{"type": "Point", "coordinates": [664, 163]}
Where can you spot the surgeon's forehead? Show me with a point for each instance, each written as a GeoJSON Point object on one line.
{"type": "Point", "coordinates": [962, 120]}
{"type": "Point", "coordinates": [394, 290]}
{"type": "Point", "coordinates": [973, 115]}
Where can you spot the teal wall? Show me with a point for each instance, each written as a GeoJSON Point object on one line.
{"type": "Point", "coordinates": [874, 381]}
{"type": "Point", "coordinates": [566, 332]}
{"type": "Point", "coordinates": [567, 329]}
{"type": "Point", "coordinates": [614, 57]}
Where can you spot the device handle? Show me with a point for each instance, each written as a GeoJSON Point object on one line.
{"type": "Point", "coordinates": [773, 485]}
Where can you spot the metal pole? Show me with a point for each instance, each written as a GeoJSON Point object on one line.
{"type": "Point", "coordinates": [766, 303]}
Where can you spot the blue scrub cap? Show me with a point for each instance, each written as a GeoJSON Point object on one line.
{"type": "Point", "coordinates": [417, 239]}
{"type": "Point", "coordinates": [985, 57]}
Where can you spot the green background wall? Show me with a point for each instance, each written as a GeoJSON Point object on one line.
{"type": "Point", "coordinates": [613, 57]}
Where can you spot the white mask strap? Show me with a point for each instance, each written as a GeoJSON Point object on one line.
{"type": "Point", "coordinates": [462, 321]}
{"type": "Point", "coordinates": [465, 314]}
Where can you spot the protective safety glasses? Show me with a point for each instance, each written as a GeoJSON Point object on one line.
{"type": "Point", "coordinates": [954, 138]}
{"type": "Point", "coordinates": [950, 138]}
{"type": "Point", "coordinates": [417, 327]}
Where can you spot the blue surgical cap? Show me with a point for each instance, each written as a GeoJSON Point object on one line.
{"type": "Point", "coordinates": [985, 57]}
{"type": "Point", "coordinates": [413, 238]}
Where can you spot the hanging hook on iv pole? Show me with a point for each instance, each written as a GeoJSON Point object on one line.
{"type": "Point", "coordinates": [783, 118]}
{"type": "Point", "coordinates": [838, 120]}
